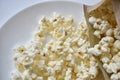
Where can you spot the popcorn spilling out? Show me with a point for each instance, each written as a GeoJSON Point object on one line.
{"type": "Point", "coordinates": [60, 49]}
{"type": "Point", "coordinates": [108, 48]}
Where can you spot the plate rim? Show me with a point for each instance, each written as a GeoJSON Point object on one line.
{"type": "Point", "coordinates": [42, 2]}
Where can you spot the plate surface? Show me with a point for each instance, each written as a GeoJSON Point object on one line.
{"type": "Point", "coordinates": [18, 29]}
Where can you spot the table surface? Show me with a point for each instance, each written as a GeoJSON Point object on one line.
{"type": "Point", "coordinates": [8, 8]}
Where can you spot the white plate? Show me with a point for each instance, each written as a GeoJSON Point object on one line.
{"type": "Point", "coordinates": [19, 28]}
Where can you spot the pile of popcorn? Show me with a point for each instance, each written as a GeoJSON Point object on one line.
{"type": "Point", "coordinates": [59, 51]}
{"type": "Point", "coordinates": [108, 48]}
{"type": "Point", "coordinates": [106, 30]}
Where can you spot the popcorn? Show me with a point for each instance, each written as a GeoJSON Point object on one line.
{"type": "Point", "coordinates": [115, 76]}
{"type": "Point", "coordinates": [50, 70]}
{"type": "Point", "coordinates": [57, 51]}
{"type": "Point", "coordinates": [57, 68]}
{"type": "Point", "coordinates": [93, 71]}
{"type": "Point", "coordinates": [41, 64]}
{"type": "Point", "coordinates": [52, 63]}
{"type": "Point", "coordinates": [106, 42]}
{"type": "Point", "coordinates": [69, 57]}
{"type": "Point", "coordinates": [92, 20]}
{"type": "Point", "coordinates": [27, 61]}
{"type": "Point", "coordinates": [97, 34]}
{"type": "Point", "coordinates": [108, 70]}
{"type": "Point", "coordinates": [59, 62]}
{"type": "Point", "coordinates": [105, 28]}
{"type": "Point", "coordinates": [15, 76]}
{"type": "Point", "coordinates": [105, 60]}
{"type": "Point", "coordinates": [68, 51]}
{"type": "Point", "coordinates": [105, 49]}
{"type": "Point", "coordinates": [39, 78]}
{"type": "Point", "coordinates": [26, 75]}
{"type": "Point", "coordinates": [113, 67]}
{"type": "Point", "coordinates": [33, 75]}
{"type": "Point", "coordinates": [81, 42]}
{"type": "Point", "coordinates": [109, 32]}
{"type": "Point", "coordinates": [51, 78]}
{"type": "Point", "coordinates": [68, 74]}
{"type": "Point", "coordinates": [94, 51]}
{"type": "Point", "coordinates": [96, 26]}
{"type": "Point", "coordinates": [72, 63]}
{"type": "Point", "coordinates": [117, 33]}
{"type": "Point", "coordinates": [93, 63]}
{"type": "Point", "coordinates": [82, 49]}
{"type": "Point", "coordinates": [107, 39]}
{"type": "Point", "coordinates": [19, 49]}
